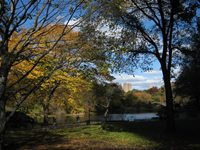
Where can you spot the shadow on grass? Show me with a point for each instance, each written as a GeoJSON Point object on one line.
{"type": "Point", "coordinates": [133, 135]}
{"type": "Point", "coordinates": [46, 140]}
{"type": "Point", "coordinates": [24, 140]}
{"type": "Point", "coordinates": [186, 137]}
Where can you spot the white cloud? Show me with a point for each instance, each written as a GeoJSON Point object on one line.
{"type": "Point", "coordinates": [140, 82]}
{"type": "Point", "coordinates": [72, 22]}
{"type": "Point", "coordinates": [153, 72]}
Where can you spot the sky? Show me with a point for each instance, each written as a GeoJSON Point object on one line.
{"type": "Point", "coordinates": [142, 80]}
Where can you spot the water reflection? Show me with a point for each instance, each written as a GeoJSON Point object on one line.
{"type": "Point", "coordinates": [70, 119]}
{"type": "Point", "coordinates": [131, 117]}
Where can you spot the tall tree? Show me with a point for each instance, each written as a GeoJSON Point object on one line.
{"type": "Point", "coordinates": [34, 16]}
{"type": "Point", "coordinates": [188, 83]}
{"type": "Point", "coordinates": [144, 31]}
{"type": "Point", "coordinates": [45, 101]}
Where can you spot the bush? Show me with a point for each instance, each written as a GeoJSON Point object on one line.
{"type": "Point", "coordinates": [19, 120]}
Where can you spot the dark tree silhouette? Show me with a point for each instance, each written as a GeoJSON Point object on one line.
{"type": "Point", "coordinates": [188, 82]}
{"type": "Point", "coordinates": [141, 32]}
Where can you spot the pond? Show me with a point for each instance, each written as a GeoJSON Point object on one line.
{"type": "Point", "coordinates": [70, 119]}
{"type": "Point", "coordinates": [131, 117]}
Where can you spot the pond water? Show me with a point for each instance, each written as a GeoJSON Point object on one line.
{"type": "Point", "coordinates": [70, 119]}
{"type": "Point", "coordinates": [131, 117]}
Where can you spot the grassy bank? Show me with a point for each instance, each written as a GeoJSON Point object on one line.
{"type": "Point", "coordinates": [135, 135]}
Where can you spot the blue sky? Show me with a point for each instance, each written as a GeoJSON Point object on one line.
{"type": "Point", "coordinates": [142, 80]}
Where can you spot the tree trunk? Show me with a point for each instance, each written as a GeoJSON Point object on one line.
{"type": "Point", "coordinates": [169, 102]}
{"type": "Point", "coordinates": [105, 116]}
{"type": "Point", "coordinates": [46, 112]}
{"type": "Point", "coordinates": [2, 123]}
{"type": "Point", "coordinates": [4, 69]}
{"type": "Point", "coordinates": [196, 102]}
{"type": "Point", "coordinates": [89, 116]}
{"type": "Point", "coordinates": [47, 103]}
{"type": "Point", "coordinates": [103, 122]}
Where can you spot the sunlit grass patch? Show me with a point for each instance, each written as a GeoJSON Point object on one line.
{"type": "Point", "coordinates": [119, 136]}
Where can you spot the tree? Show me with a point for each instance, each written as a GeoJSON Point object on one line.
{"type": "Point", "coordinates": [145, 31]}
{"type": "Point", "coordinates": [34, 16]}
{"type": "Point", "coordinates": [46, 102]}
{"type": "Point", "coordinates": [153, 90]}
{"type": "Point", "coordinates": [71, 55]}
{"type": "Point", "coordinates": [65, 54]}
{"type": "Point", "coordinates": [143, 97]}
{"type": "Point", "coordinates": [63, 91]}
{"type": "Point", "coordinates": [106, 95]}
{"type": "Point", "coordinates": [130, 99]}
{"type": "Point", "coordinates": [188, 83]}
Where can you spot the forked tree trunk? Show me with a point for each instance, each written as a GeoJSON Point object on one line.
{"type": "Point", "coordinates": [105, 116]}
{"type": "Point", "coordinates": [47, 103]}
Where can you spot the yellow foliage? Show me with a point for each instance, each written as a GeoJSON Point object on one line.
{"type": "Point", "coordinates": [143, 97]}
{"type": "Point", "coordinates": [71, 89]}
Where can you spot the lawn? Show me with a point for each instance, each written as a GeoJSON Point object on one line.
{"type": "Point", "coordinates": [135, 135]}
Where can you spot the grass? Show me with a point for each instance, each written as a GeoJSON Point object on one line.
{"type": "Point", "coordinates": [135, 135]}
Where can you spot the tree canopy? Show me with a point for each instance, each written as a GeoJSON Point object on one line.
{"type": "Point", "coordinates": [31, 33]}
{"type": "Point", "coordinates": [188, 84]}
{"type": "Point", "coordinates": [141, 32]}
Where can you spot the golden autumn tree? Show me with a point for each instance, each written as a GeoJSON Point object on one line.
{"type": "Point", "coordinates": [25, 72]}
{"type": "Point", "coordinates": [23, 23]}
{"type": "Point", "coordinates": [62, 90]}
{"type": "Point", "coordinates": [68, 56]}
{"type": "Point", "coordinates": [143, 97]}
{"type": "Point", "coordinates": [60, 55]}
{"type": "Point", "coordinates": [69, 95]}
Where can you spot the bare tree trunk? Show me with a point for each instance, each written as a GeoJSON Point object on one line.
{"type": "Point", "coordinates": [89, 116]}
{"type": "Point", "coordinates": [2, 123]}
{"type": "Point", "coordinates": [47, 103]}
{"type": "Point", "coordinates": [104, 121]}
{"type": "Point", "coordinates": [169, 102]}
{"type": "Point", "coordinates": [46, 112]}
{"type": "Point", "coordinates": [4, 68]}
{"type": "Point", "coordinates": [196, 102]}
{"type": "Point", "coordinates": [105, 116]}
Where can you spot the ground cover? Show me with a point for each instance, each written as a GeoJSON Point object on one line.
{"type": "Point", "coordinates": [135, 135]}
